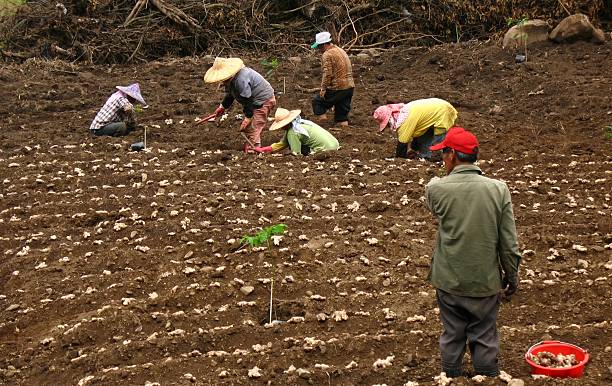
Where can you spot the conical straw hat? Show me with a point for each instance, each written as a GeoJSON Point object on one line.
{"type": "Point", "coordinates": [283, 117]}
{"type": "Point", "coordinates": [133, 90]}
{"type": "Point", "coordinates": [223, 69]}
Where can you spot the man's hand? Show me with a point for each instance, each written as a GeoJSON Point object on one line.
{"type": "Point", "coordinates": [245, 123]}
{"type": "Point", "coordinates": [322, 93]}
{"type": "Point", "coordinates": [219, 111]}
{"type": "Point", "coordinates": [509, 285]}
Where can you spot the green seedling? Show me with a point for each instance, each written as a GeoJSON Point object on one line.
{"type": "Point", "coordinates": [607, 132]}
{"type": "Point", "coordinates": [522, 35]}
{"type": "Point", "coordinates": [138, 108]}
{"type": "Point", "coordinates": [263, 237]}
{"type": "Point", "coordinates": [270, 65]}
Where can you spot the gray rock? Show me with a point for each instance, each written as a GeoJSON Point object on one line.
{"type": "Point", "coordinates": [599, 36]}
{"type": "Point", "coordinates": [573, 28]}
{"type": "Point", "coordinates": [531, 31]}
{"type": "Point", "coordinates": [247, 289]}
{"type": "Point", "coordinates": [516, 382]}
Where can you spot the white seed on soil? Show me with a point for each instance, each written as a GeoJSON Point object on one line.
{"type": "Point", "coordinates": [416, 318]}
{"type": "Point", "coordinates": [372, 240]}
{"type": "Point", "coordinates": [142, 248]}
{"type": "Point", "coordinates": [41, 265]}
{"type": "Point", "coordinates": [479, 378]}
{"type": "Point", "coordinates": [321, 366]}
{"type": "Point", "coordinates": [255, 372]}
{"type": "Point", "coordinates": [296, 319]}
{"type": "Point", "coordinates": [321, 317]}
{"type": "Point", "coordinates": [351, 365]}
{"type": "Point", "coordinates": [318, 298]}
{"type": "Point", "coordinates": [389, 315]}
{"type": "Point", "coordinates": [583, 263]}
{"type": "Point", "coordinates": [443, 380]}
{"type": "Point", "coordinates": [340, 316]}
{"type": "Point", "coordinates": [47, 341]}
{"type": "Point", "coordinates": [383, 363]}
{"type": "Point", "coordinates": [579, 248]}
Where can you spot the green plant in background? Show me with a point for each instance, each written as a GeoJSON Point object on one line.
{"type": "Point", "coordinates": [270, 65]}
{"type": "Point", "coordinates": [522, 35]}
{"type": "Point", "coordinates": [263, 238]}
{"type": "Point", "coordinates": [607, 132]}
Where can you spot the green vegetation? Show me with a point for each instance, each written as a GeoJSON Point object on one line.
{"type": "Point", "coordinates": [263, 237]}
{"type": "Point", "coordinates": [8, 7]}
{"type": "Point", "coordinates": [269, 64]}
{"type": "Point", "coordinates": [607, 132]}
{"type": "Point", "coordinates": [522, 36]}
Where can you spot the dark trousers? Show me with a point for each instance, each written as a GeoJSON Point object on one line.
{"type": "Point", "coordinates": [115, 129]}
{"type": "Point", "coordinates": [340, 100]}
{"type": "Point", "coordinates": [472, 321]}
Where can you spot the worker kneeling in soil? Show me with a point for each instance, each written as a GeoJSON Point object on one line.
{"type": "Point", "coordinates": [250, 89]}
{"type": "Point", "coordinates": [116, 117]}
{"type": "Point", "coordinates": [476, 255]}
{"type": "Point", "coordinates": [422, 122]}
{"type": "Point", "coordinates": [302, 136]}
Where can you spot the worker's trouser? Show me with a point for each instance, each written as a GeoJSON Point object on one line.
{"type": "Point", "coordinates": [471, 320]}
{"type": "Point", "coordinates": [421, 144]}
{"type": "Point", "coordinates": [259, 122]}
{"type": "Point", "coordinates": [115, 129]}
{"type": "Point", "coordinates": [340, 100]}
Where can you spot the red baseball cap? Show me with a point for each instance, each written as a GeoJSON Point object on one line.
{"type": "Point", "coordinates": [459, 139]}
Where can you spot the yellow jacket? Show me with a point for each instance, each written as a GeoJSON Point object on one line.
{"type": "Point", "coordinates": [424, 113]}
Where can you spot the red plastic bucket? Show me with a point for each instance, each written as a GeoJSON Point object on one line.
{"type": "Point", "coordinates": [556, 347]}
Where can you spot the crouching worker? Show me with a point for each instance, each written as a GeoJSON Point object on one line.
{"type": "Point", "coordinates": [116, 117]}
{"type": "Point", "coordinates": [302, 136]}
{"type": "Point", "coordinates": [250, 89]}
{"type": "Point", "coordinates": [422, 123]}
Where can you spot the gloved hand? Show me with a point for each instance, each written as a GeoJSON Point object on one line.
{"type": "Point", "coordinates": [509, 285]}
{"type": "Point", "coordinates": [245, 123]}
{"type": "Point", "coordinates": [219, 111]}
{"type": "Point", "coordinates": [401, 150]}
{"type": "Point", "coordinates": [263, 149]}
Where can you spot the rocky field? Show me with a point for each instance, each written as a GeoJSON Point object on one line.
{"type": "Point", "coordinates": [122, 268]}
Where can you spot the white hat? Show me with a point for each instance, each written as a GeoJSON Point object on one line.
{"type": "Point", "coordinates": [321, 38]}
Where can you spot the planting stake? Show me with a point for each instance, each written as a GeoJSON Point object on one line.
{"type": "Point", "coordinates": [145, 137]}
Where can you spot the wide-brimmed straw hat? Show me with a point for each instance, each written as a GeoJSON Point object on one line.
{"type": "Point", "coordinates": [133, 90]}
{"type": "Point", "coordinates": [283, 117]}
{"type": "Point", "coordinates": [223, 69]}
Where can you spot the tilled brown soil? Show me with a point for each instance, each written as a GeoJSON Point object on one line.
{"type": "Point", "coordinates": [119, 268]}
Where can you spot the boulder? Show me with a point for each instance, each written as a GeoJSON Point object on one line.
{"type": "Point", "coordinates": [599, 36]}
{"type": "Point", "coordinates": [573, 28]}
{"type": "Point", "coordinates": [531, 30]}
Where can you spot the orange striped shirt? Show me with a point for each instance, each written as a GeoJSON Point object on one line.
{"type": "Point", "coordinates": [337, 70]}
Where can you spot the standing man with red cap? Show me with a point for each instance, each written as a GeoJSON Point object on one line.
{"type": "Point", "coordinates": [337, 84]}
{"type": "Point", "coordinates": [476, 255]}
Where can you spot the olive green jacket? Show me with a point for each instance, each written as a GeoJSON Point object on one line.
{"type": "Point", "coordinates": [476, 242]}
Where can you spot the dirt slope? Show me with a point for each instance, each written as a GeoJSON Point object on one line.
{"type": "Point", "coordinates": [117, 267]}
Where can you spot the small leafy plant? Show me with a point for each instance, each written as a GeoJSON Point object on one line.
{"type": "Point", "coordinates": [522, 35]}
{"type": "Point", "coordinates": [263, 237]}
{"type": "Point", "coordinates": [270, 65]}
{"type": "Point", "coordinates": [138, 108]}
{"type": "Point", "coordinates": [607, 132]}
